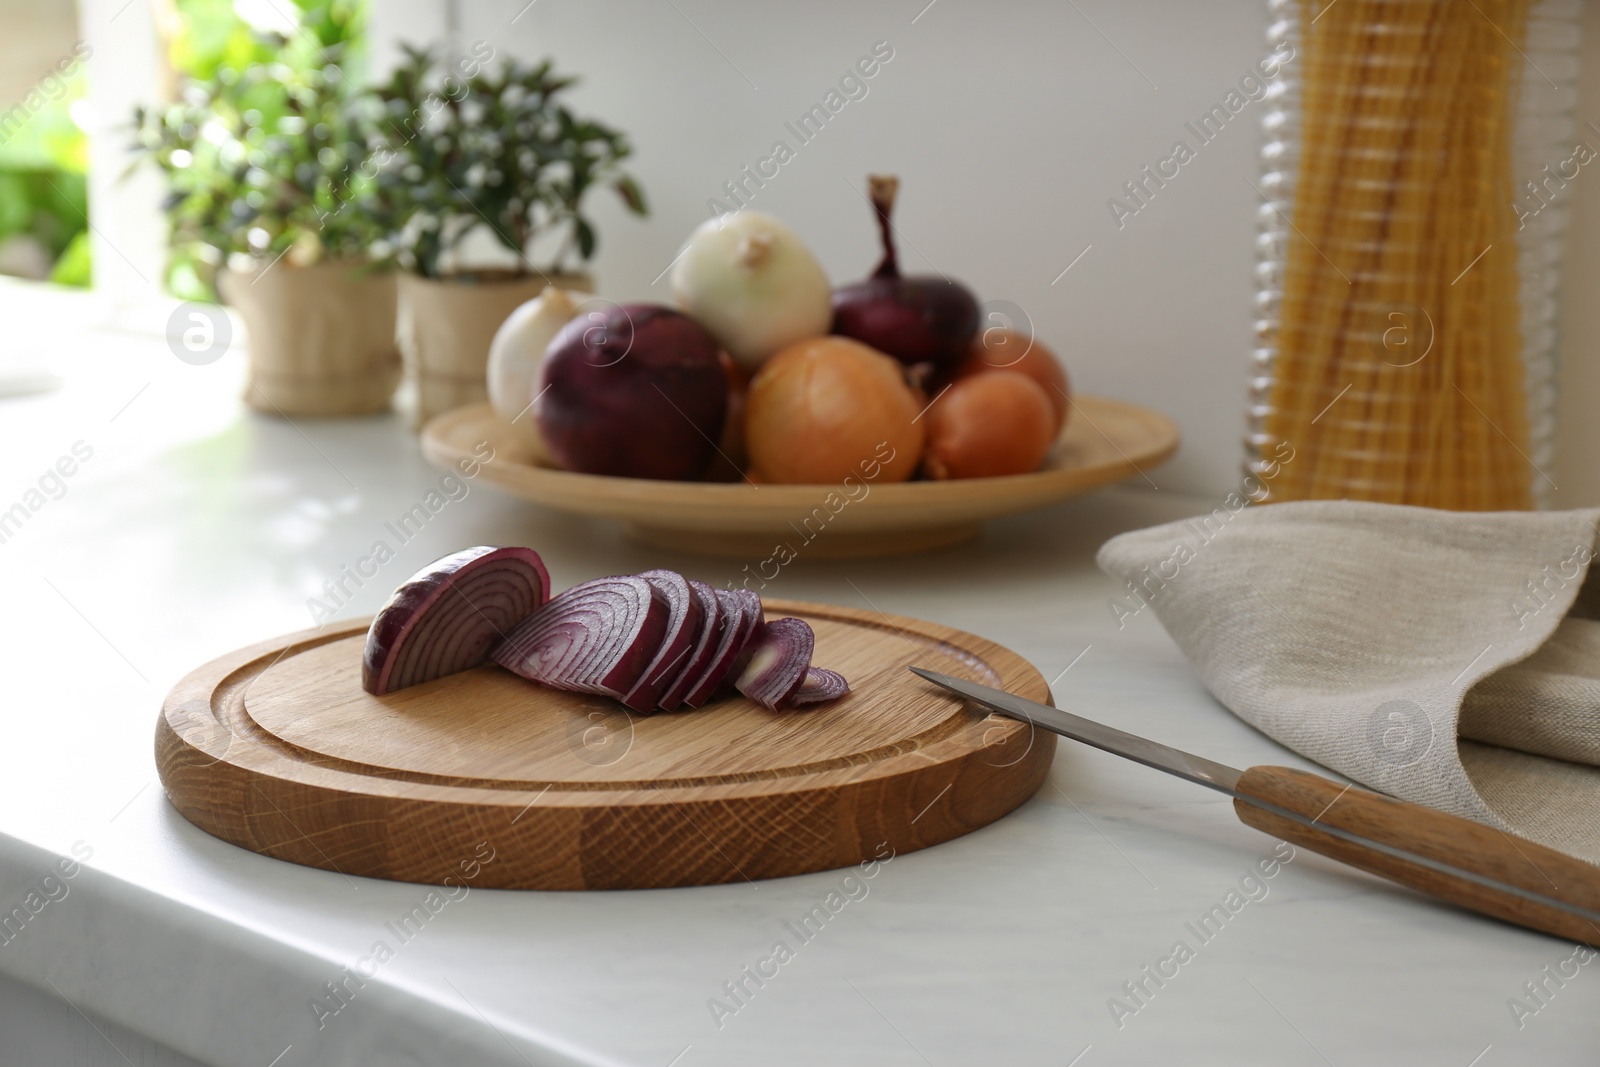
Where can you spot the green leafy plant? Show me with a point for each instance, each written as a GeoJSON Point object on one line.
{"type": "Point", "coordinates": [44, 202]}
{"type": "Point", "coordinates": [498, 150]}
{"type": "Point", "coordinates": [263, 156]}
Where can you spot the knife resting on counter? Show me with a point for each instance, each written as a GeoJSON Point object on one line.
{"type": "Point", "coordinates": [1448, 857]}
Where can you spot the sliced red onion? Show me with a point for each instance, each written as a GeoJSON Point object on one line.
{"type": "Point", "coordinates": [820, 684]}
{"type": "Point", "coordinates": [705, 648]}
{"type": "Point", "coordinates": [654, 640]}
{"type": "Point", "coordinates": [448, 616]}
{"type": "Point", "coordinates": [597, 637]}
{"type": "Point", "coordinates": [684, 623]}
{"type": "Point", "coordinates": [741, 615]}
{"type": "Point", "coordinates": [779, 659]}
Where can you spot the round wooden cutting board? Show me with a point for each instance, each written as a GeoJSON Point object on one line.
{"type": "Point", "coordinates": [277, 748]}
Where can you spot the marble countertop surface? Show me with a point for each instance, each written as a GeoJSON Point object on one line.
{"type": "Point", "coordinates": [190, 527]}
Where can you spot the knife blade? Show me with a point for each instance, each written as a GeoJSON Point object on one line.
{"type": "Point", "coordinates": [1455, 859]}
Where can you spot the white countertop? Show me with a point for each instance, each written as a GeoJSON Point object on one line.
{"type": "Point", "coordinates": [195, 528]}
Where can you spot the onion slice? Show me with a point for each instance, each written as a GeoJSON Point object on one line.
{"type": "Point", "coordinates": [778, 661]}
{"type": "Point", "coordinates": [741, 615]}
{"type": "Point", "coordinates": [597, 637]}
{"type": "Point", "coordinates": [448, 616]}
{"type": "Point", "coordinates": [705, 647]}
{"type": "Point", "coordinates": [818, 685]}
{"type": "Point", "coordinates": [684, 622]}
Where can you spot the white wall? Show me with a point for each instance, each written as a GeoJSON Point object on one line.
{"type": "Point", "coordinates": [1010, 124]}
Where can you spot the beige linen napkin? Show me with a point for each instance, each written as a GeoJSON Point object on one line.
{"type": "Point", "coordinates": [1447, 658]}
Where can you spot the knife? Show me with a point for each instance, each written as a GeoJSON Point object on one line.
{"type": "Point", "coordinates": [1454, 859]}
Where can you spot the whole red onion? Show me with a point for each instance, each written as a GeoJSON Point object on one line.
{"type": "Point", "coordinates": [918, 319]}
{"type": "Point", "coordinates": [634, 391]}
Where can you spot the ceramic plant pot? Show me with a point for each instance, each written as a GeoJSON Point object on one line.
{"type": "Point", "coordinates": [321, 338]}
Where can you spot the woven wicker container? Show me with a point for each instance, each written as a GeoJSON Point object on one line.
{"type": "Point", "coordinates": [321, 338]}
{"type": "Point", "coordinates": [446, 325]}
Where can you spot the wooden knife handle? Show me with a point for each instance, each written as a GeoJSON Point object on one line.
{"type": "Point", "coordinates": [1433, 835]}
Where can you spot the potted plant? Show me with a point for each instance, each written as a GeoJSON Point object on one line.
{"type": "Point", "coordinates": [496, 154]}
{"type": "Point", "coordinates": [268, 196]}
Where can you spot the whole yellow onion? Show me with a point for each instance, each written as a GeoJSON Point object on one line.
{"type": "Point", "coordinates": [987, 425]}
{"type": "Point", "coordinates": [827, 408]}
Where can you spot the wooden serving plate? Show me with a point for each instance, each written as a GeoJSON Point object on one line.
{"type": "Point", "coordinates": [277, 748]}
{"type": "Point", "coordinates": [1104, 441]}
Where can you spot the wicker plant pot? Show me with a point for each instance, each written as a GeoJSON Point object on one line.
{"type": "Point", "coordinates": [446, 325]}
{"type": "Point", "coordinates": [321, 339]}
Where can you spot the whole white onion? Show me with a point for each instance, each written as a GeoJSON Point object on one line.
{"type": "Point", "coordinates": [514, 357]}
{"type": "Point", "coordinates": [749, 280]}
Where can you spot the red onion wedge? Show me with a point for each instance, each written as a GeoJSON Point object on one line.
{"type": "Point", "coordinates": [779, 659]}
{"type": "Point", "coordinates": [705, 648]}
{"type": "Point", "coordinates": [820, 684]}
{"type": "Point", "coordinates": [448, 616]}
{"type": "Point", "coordinates": [685, 620]}
{"type": "Point", "coordinates": [597, 637]}
{"type": "Point", "coordinates": [741, 615]}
